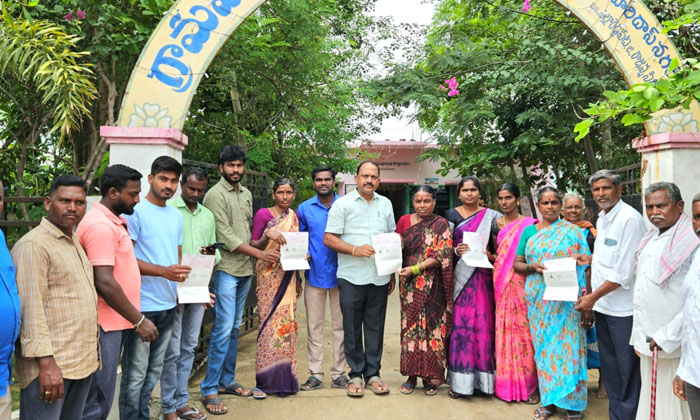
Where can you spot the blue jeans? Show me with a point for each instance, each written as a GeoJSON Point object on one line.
{"type": "Point", "coordinates": [179, 357]}
{"type": "Point", "coordinates": [231, 293]}
{"type": "Point", "coordinates": [104, 381]}
{"type": "Point", "coordinates": [142, 364]}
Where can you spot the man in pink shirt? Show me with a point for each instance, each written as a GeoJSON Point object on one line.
{"type": "Point", "coordinates": [105, 237]}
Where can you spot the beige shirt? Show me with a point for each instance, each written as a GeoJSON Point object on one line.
{"type": "Point", "coordinates": [59, 304]}
{"type": "Point", "coordinates": [233, 212]}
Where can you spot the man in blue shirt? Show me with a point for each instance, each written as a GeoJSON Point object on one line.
{"type": "Point", "coordinates": [321, 281]}
{"type": "Point", "coordinates": [9, 313]}
{"type": "Point", "coordinates": [156, 230]}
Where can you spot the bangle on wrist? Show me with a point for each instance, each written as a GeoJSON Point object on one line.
{"type": "Point", "coordinates": [353, 251]}
{"type": "Point", "coordinates": [527, 267]}
{"type": "Point", "coordinates": [138, 324]}
{"type": "Point", "coordinates": [456, 252]}
{"type": "Point", "coordinates": [415, 270]}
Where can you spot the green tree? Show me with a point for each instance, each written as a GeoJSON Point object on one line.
{"type": "Point", "coordinates": [45, 91]}
{"type": "Point", "coordinates": [521, 79]}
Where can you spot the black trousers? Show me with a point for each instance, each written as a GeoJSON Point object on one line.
{"type": "Point", "coordinates": [692, 393]}
{"type": "Point", "coordinates": [364, 311]}
{"type": "Point", "coordinates": [619, 365]}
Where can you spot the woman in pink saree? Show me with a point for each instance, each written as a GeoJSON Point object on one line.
{"type": "Point", "coordinates": [516, 374]}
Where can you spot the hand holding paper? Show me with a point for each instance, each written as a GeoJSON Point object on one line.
{"type": "Point", "coordinates": [561, 280]}
{"type": "Point", "coordinates": [387, 257]}
{"type": "Point", "coordinates": [195, 288]}
{"type": "Point", "coordinates": [476, 255]}
{"type": "Point", "coordinates": [293, 252]}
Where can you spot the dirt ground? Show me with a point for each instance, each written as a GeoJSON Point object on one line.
{"type": "Point", "coordinates": [331, 403]}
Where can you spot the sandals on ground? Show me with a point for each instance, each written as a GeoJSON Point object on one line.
{"type": "Point", "coordinates": [378, 381]}
{"type": "Point", "coordinates": [543, 413]}
{"type": "Point", "coordinates": [341, 381]}
{"type": "Point", "coordinates": [311, 383]}
{"type": "Point", "coordinates": [573, 415]}
{"type": "Point", "coordinates": [429, 390]}
{"type": "Point", "coordinates": [407, 388]}
{"type": "Point", "coordinates": [233, 389]}
{"type": "Point", "coordinates": [259, 394]}
{"type": "Point", "coordinates": [357, 384]}
{"type": "Point", "coordinates": [213, 401]}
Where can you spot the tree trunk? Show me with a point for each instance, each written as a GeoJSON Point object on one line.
{"type": "Point", "coordinates": [590, 155]}
{"type": "Point", "coordinates": [237, 110]}
{"type": "Point", "coordinates": [606, 139]}
{"type": "Point", "coordinates": [528, 181]}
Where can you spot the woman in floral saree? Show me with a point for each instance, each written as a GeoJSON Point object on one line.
{"type": "Point", "coordinates": [516, 374]}
{"type": "Point", "coordinates": [277, 292]}
{"type": "Point", "coordinates": [471, 359]}
{"type": "Point", "coordinates": [557, 332]}
{"type": "Point", "coordinates": [425, 291]}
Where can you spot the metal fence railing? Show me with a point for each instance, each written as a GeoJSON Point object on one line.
{"type": "Point", "coordinates": [631, 191]}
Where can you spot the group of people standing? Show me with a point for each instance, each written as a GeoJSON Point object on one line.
{"type": "Point", "coordinates": [100, 288]}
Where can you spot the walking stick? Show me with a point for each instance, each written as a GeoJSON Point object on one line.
{"type": "Point", "coordinates": [654, 365]}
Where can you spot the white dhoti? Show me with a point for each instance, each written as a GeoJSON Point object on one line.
{"type": "Point", "coordinates": [668, 406]}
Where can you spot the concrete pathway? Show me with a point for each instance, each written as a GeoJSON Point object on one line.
{"type": "Point", "coordinates": [331, 403]}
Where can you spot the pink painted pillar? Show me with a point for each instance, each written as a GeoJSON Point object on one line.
{"type": "Point", "coordinates": [137, 147]}
{"type": "Point", "coordinates": [672, 157]}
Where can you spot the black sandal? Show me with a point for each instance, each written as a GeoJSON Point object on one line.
{"type": "Point", "coordinates": [311, 384]}
{"type": "Point", "coordinates": [213, 401]}
{"type": "Point", "coordinates": [341, 382]}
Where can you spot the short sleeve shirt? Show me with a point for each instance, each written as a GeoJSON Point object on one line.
{"type": "Point", "coordinates": [355, 220]}
{"type": "Point", "coordinates": [313, 216]}
{"type": "Point", "coordinates": [105, 238]}
{"type": "Point", "coordinates": [157, 233]}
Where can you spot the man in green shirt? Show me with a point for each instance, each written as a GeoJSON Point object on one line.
{"type": "Point", "coordinates": [198, 232]}
{"type": "Point", "coordinates": [232, 205]}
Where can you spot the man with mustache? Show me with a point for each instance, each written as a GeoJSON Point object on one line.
{"type": "Point", "coordinates": [232, 205]}
{"type": "Point", "coordinates": [105, 237]}
{"type": "Point", "coordinates": [58, 350]}
{"type": "Point", "coordinates": [620, 228]}
{"type": "Point", "coordinates": [352, 221]}
{"type": "Point", "coordinates": [661, 263]}
{"type": "Point", "coordinates": [156, 231]}
{"type": "Point", "coordinates": [696, 214]}
{"type": "Point", "coordinates": [321, 281]}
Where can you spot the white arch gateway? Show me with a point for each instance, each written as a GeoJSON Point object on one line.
{"type": "Point", "coordinates": [172, 63]}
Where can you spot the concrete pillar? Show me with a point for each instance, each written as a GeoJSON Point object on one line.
{"type": "Point", "coordinates": [672, 157]}
{"type": "Point", "coordinates": [137, 147]}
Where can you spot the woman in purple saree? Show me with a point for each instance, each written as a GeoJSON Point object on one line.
{"type": "Point", "coordinates": [471, 360]}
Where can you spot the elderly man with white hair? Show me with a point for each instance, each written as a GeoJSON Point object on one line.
{"type": "Point", "coordinates": [662, 261]}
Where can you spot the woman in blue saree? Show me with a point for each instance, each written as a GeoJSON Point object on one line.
{"type": "Point", "coordinates": [558, 336]}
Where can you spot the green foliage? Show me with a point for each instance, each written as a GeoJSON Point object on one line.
{"type": "Point", "coordinates": [521, 79]}
{"type": "Point", "coordinates": [637, 104]}
{"type": "Point", "coordinates": [295, 69]}
{"type": "Point", "coordinates": [42, 57]}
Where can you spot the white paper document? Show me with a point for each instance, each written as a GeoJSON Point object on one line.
{"type": "Point", "coordinates": [387, 257]}
{"type": "Point", "coordinates": [476, 256]}
{"type": "Point", "coordinates": [561, 280]}
{"type": "Point", "coordinates": [293, 253]}
{"type": "Point", "coordinates": [195, 288]}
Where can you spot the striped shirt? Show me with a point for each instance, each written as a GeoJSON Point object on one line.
{"type": "Point", "coordinates": [59, 304]}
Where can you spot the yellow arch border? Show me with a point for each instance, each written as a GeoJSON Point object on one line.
{"type": "Point", "coordinates": [191, 33]}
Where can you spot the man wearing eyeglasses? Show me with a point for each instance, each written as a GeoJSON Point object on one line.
{"type": "Point", "coordinates": [352, 221]}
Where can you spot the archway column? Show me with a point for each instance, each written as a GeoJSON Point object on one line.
{"type": "Point", "coordinates": [671, 157]}
{"type": "Point", "coordinates": [137, 147]}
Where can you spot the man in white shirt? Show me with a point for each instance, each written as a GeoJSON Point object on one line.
{"type": "Point", "coordinates": [620, 228]}
{"type": "Point", "coordinates": [686, 386]}
{"type": "Point", "coordinates": [661, 264]}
